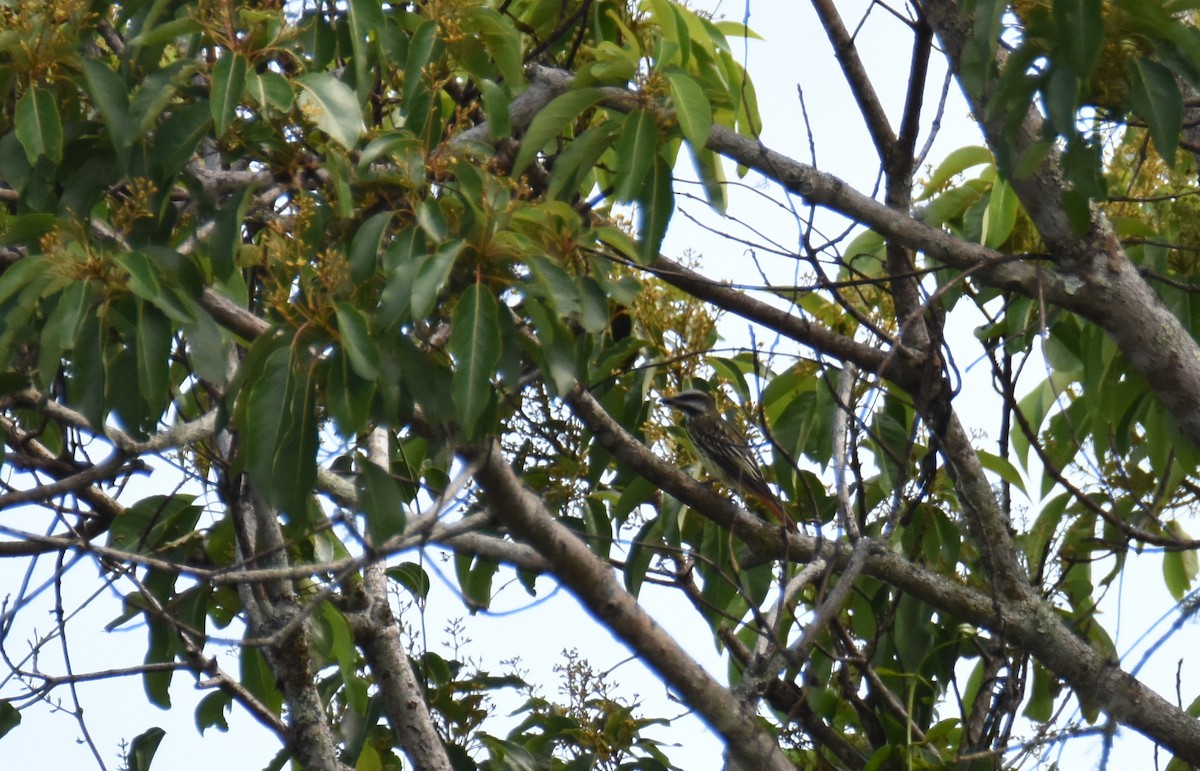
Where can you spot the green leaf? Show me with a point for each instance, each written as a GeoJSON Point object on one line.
{"type": "Point", "coordinates": [38, 125]}
{"type": "Point", "coordinates": [226, 239]}
{"type": "Point", "coordinates": [955, 163]}
{"type": "Point", "coordinates": [10, 717]}
{"type": "Point", "coordinates": [1000, 215]}
{"type": "Point", "coordinates": [166, 32]}
{"type": "Point", "coordinates": [157, 683]}
{"type": "Point", "coordinates": [646, 545]}
{"type": "Point", "coordinates": [495, 107]}
{"type": "Point", "coordinates": [1179, 567]}
{"type": "Point", "coordinates": [424, 49]}
{"type": "Point", "coordinates": [277, 421]}
{"type": "Point", "coordinates": [636, 149]}
{"type": "Point", "coordinates": [555, 284]}
{"type": "Point", "coordinates": [977, 65]}
{"type": "Point", "coordinates": [656, 204]}
{"type": "Point", "coordinates": [153, 357]}
{"type": "Point", "coordinates": [1043, 694]}
{"type": "Point", "coordinates": [364, 255]}
{"type": "Point", "coordinates": [431, 276]}
{"type": "Point", "coordinates": [430, 218]}
{"type": "Point", "coordinates": [429, 381]}
{"type": "Point", "coordinates": [1061, 96]}
{"type": "Point", "coordinates": [712, 176]}
{"type": "Point", "coordinates": [692, 109]}
{"type": "Point", "coordinates": [112, 98]}
{"type": "Point", "coordinates": [1157, 100]}
{"type": "Point", "coordinates": [348, 396]}
{"type": "Point", "coordinates": [575, 165]}
{"type": "Point", "coordinates": [86, 387]}
{"type": "Point", "coordinates": [380, 500]}
{"type": "Point", "coordinates": [177, 138]}
{"type": "Point", "coordinates": [412, 577]}
{"type": "Point", "coordinates": [145, 282]}
{"type": "Point", "coordinates": [257, 678]}
{"type": "Point", "coordinates": [1002, 468]}
{"type": "Point", "coordinates": [20, 274]}
{"type": "Point", "coordinates": [142, 749]}
{"type": "Point", "coordinates": [228, 85]}
{"type": "Point", "coordinates": [333, 107]}
{"type": "Point", "coordinates": [1080, 27]}
{"type": "Point", "coordinates": [553, 118]}
{"type": "Point", "coordinates": [158, 91]}
{"type": "Point", "coordinates": [207, 349]}
{"type": "Point", "coordinates": [25, 228]}
{"type": "Point", "coordinates": [357, 342]}
{"type": "Point", "coordinates": [475, 346]}
{"type": "Point", "coordinates": [475, 577]}
{"type": "Point", "coordinates": [736, 29]}
{"type": "Point", "coordinates": [211, 712]}
{"type": "Point", "coordinates": [502, 41]}
{"type": "Point", "coordinates": [152, 522]}
{"type": "Point", "coordinates": [366, 22]}
{"type": "Point", "coordinates": [270, 90]}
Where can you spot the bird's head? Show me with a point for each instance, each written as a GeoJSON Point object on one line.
{"type": "Point", "coordinates": [692, 403]}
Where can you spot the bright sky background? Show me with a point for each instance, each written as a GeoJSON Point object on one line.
{"type": "Point", "coordinates": [796, 53]}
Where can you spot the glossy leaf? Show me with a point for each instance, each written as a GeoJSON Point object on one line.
{"type": "Point", "coordinates": [10, 717]}
{"type": "Point", "coordinates": [475, 346]}
{"type": "Point", "coordinates": [39, 126]}
{"type": "Point", "coordinates": [495, 106]}
{"type": "Point", "coordinates": [424, 49]}
{"type": "Point", "coordinates": [637, 150]}
{"type": "Point", "coordinates": [270, 91]}
{"type": "Point", "coordinates": [551, 121]}
{"type": "Point", "coordinates": [152, 358]}
{"type": "Point", "coordinates": [143, 748]}
{"type": "Point", "coordinates": [1000, 215]}
{"type": "Point", "coordinates": [257, 678]}
{"type": "Point", "coordinates": [176, 140]}
{"type": "Point", "coordinates": [212, 710]}
{"type": "Point", "coordinates": [226, 240]}
{"type": "Point", "coordinates": [333, 107]}
{"type": "Point", "coordinates": [1157, 100]}
{"type": "Point", "coordinates": [356, 341]}
{"type": "Point", "coordinates": [656, 204]}
{"type": "Point", "coordinates": [955, 163]}
{"type": "Point", "coordinates": [692, 108]}
{"type": "Point", "coordinates": [366, 22]}
{"type": "Point", "coordinates": [279, 429]}
{"type": "Point", "coordinates": [475, 576]}
{"type": "Point", "coordinates": [413, 578]}
{"type": "Point", "coordinates": [575, 165]}
{"type": "Point", "coordinates": [1179, 567]}
{"type": "Point", "coordinates": [112, 98]}
{"type": "Point", "coordinates": [431, 276]}
{"type": "Point", "coordinates": [380, 498]}
{"type": "Point", "coordinates": [228, 85]}
{"type": "Point", "coordinates": [1080, 27]}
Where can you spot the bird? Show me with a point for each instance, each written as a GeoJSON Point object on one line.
{"type": "Point", "coordinates": [725, 452]}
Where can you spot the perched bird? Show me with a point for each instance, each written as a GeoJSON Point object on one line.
{"type": "Point", "coordinates": [724, 451]}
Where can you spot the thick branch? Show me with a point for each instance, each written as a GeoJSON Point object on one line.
{"type": "Point", "coordinates": [1108, 290]}
{"type": "Point", "coordinates": [1027, 619]}
{"type": "Point", "coordinates": [591, 580]}
{"type": "Point", "coordinates": [378, 634]}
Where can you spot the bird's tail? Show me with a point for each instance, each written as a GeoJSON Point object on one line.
{"type": "Point", "coordinates": [775, 507]}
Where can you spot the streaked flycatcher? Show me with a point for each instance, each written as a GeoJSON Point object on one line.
{"type": "Point", "coordinates": [725, 452]}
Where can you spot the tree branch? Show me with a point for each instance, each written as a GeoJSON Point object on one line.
{"type": "Point", "coordinates": [591, 580]}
